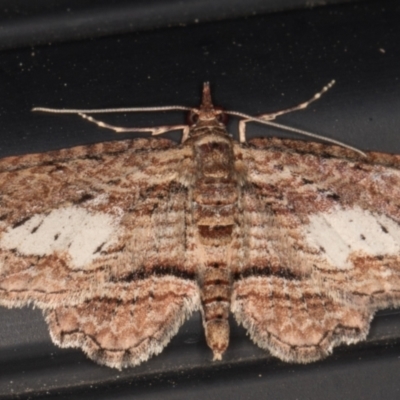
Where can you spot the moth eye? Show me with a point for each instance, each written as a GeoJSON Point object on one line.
{"type": "Point", "coordinates": [193, 118]}
{"type": "Point", "coordinates": [220, 115]}
{"type": "Point", "coordinates": [223, 118]}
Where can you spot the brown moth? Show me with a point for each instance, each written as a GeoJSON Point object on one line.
{"type": "Point", "coordinates": [118, 243]}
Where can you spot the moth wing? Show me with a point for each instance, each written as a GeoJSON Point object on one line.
{"type": "Point", "coordinates": [95, 236]}
{"type": "Point", "coordinates": [125, 332]}
{"type": "Point", "coordinates": [294, 320]}
{"type": "Point", "coordinates": [321, 229]}
{"type": "Point", "coordinates": [75, 221]}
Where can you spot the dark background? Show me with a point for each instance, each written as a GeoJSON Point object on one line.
{"type": "Point", "coordinates": [259, 56]}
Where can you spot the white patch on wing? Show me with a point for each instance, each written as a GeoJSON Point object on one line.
{"type": "Point", "coordinates": [341, 232]}
{"type": "Point", "coordinates": [71, 229]}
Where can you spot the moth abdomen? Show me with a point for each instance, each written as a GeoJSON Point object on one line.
{"type": "Point", "coordinates": [215, 215]}
{"type": "Point", "coordinates": [215, 298]}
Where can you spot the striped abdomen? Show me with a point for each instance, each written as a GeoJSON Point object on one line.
{"type": "Point", "coordinates": [214, 207]}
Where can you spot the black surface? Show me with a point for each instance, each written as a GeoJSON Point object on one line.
{"type": "Point", "coordinates": [27, 23]}
{"type": "Point", "coordinates": [255, 64]}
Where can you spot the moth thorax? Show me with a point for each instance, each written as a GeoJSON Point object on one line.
{"type": "Point", "coordinates": [203, 130]}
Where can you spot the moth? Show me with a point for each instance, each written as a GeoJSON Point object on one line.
{"type": "Point", "coordinates": [120, 242]}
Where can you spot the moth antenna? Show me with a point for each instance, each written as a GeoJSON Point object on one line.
{"type": "Point", "coordinates": [109, 110]}
{"type": "Point", "coordinates": [206, 103]}
{"type": "Point", "coordinates": [295, 130]}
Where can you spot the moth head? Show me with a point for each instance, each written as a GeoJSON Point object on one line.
{"type": "Point", "coordinates": [207, 114]}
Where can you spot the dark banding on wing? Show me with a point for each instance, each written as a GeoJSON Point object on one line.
{"type": "Point", "coordinates": [279, 272]}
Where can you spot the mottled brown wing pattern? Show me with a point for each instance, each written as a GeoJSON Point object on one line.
{"type": "Point", "coordinates": [322, 228]}
{"type": "Point", "coordinates": [95, 228]}
{"type": "Point", "coordinates": [125, 332]}
{"type": "Point", "coordinates": [119, 242]}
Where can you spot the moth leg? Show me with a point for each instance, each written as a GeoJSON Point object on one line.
{"type": "Point", "coordinates": [157, 130]}
{"type": "Point", "coordinates": [272, 116]}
